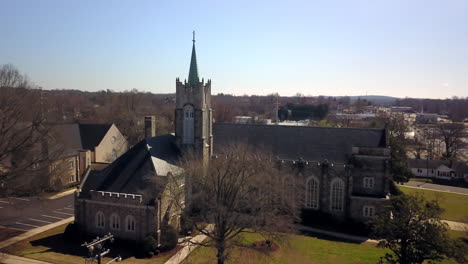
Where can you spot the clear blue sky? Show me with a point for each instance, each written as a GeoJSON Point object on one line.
{"type": "Point", "coordinates": [414, 48]}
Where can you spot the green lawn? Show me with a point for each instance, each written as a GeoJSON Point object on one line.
{"type": "Point", "coordinates": [51, 246]}
{"type": "Point", "coordinates": [455, 205]}
{"type": "Point", "coordinates": [421, 180]}
{"type": "Point", "coordinates": [299, 249]}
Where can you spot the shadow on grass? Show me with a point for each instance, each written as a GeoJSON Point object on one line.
{"type": "Point", "coordinates": [330, 238]}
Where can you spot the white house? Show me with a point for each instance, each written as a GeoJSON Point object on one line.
{"type": "Point", "coordinates": [438, 169]}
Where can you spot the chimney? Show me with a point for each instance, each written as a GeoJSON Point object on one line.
{"type": "Point", "coordinates": [150, 126]}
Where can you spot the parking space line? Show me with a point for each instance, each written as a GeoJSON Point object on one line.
{"type": "Point", "coordinates": [22, 199]}
{"type": "Point", "coordinates": [37, 220]}
{"type": "Point", "coordinates": [53, 217]}
{"type": "Point", "coordinates": [69, 209]}
{"type": "Point", "coordinates": [1, 201]}
{"type": "Point", "coordinates": [57, 212]}
{"type": "Point", "coordinates": [14, 228]}
{"type": "Point", "coordinates": [18, 223]}
{"type": "Point", "coordinates": [70, 205]}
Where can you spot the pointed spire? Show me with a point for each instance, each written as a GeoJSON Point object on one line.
{"type": "Point", "coordinates": [193, 78]}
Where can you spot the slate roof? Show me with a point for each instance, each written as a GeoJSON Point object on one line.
{"type": "Point", "coordinates": [293, 142]}
{"type": "Point", "coordinates": [429, 164]}
{"type": "Point", "coordinates": [136, 171]}
{"type": "Point", "coordinates": [80, 136]}
{"type": "Point", "coordinates": [92, 134]}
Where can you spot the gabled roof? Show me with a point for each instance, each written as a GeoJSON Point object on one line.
{"type": "Point", "coordinates": [293, 142]}
{"type": "Point", "coordinates": [426, 164]}
{"type": "Point", "coordinates": [137, 170]}
{"type": "Point", "coordinates": [80, 136]}
{"type": "Point", "coordinates": [92, 134]}
{"type": "Point", "coordinates": [457, 166]}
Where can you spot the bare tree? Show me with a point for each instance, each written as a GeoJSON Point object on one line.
{"type": "Point", "coordinates": [22, 130]}
{"type": "Point", "coordinates": [452, 135]}
{"type": "Point", "coordinates": [240, 191]}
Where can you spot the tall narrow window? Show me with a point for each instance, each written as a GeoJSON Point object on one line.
{"type": "Point", "coordinates": [312, 193]}
{"type": "Point", "coordinates": [99, 219]}
{"type": "Point", "coordinates": [130, 224]}
{"type": "Point", "coordinates": [114, 221]}
{"type": "Point", "coordinates": [188, 125]}
{"type": "Point", "coordinates": [337, 195]}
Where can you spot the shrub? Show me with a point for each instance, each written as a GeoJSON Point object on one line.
{"type": "Point", "coordinates": [186, 227]}
{"type": "Point", "coordinates": [149, 245]}
{"type": "Point", "coordinates": [169, 238]}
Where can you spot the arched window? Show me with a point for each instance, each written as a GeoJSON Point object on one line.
{"type": "Point", "coordinates": [312, 193]}
{"type": "Point", "coordinates": [188, 125]}
{"type": "Point", "coordinates": [100, 219]}
{"type": "Point", "coordinates": [337, 195]}
{"type": "Point", "coordinates": [130, 223]}
{"type": "Point", "coordinates": [114, 221]}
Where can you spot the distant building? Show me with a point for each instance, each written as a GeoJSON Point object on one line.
{"type": "Point", "coordinates": [438, 169]}
{"type": "Point", "coordinates": [80, 145]}
{"type": "Point", "coordinates": [426, 118]}
{"type": "Point", "coordinates": [243, 119]}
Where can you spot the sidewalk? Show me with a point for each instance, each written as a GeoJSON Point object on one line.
{"type": "Point", "coordinates": [61, 194]}
{"type": "Point", "coordinates": [11, 259]}
{"type": "Point", "coordinates": [34, 232]}
{"type": "Point", "coordinates": [435, 187]}
{"type": "Point", "coordinates": [187, 249]}
{"type": "Point", "coordinates": [458, 226]}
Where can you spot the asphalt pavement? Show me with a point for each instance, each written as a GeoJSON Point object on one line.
{"type": "Point", "coordinates": [26, 213]}
{"type": "Point", "coordinates": [437, 187]}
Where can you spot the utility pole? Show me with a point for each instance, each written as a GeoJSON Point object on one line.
{"type": "Point", "coordinates": [97, 251]}
{"type": "Point", "coordinates": [277, 109]}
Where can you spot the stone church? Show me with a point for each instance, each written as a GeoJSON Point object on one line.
{"type": "Point", "coordinates": [345, 170]}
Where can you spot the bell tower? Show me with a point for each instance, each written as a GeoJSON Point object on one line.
{"type": "Point", "coordinates": [193, 113]}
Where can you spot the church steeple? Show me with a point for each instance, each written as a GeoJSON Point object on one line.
{"type": "Point", "coordinates": [193, 114]}
{"type": "Point", "coordinates": [193, 78]}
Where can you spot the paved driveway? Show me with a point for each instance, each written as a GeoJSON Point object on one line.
{"type": "Point", "coordinates": [437, 187]}
{"type": "Point", "coordinates": [26, 213]}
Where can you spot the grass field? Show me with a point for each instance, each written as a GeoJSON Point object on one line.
{"type": "Point", "coordinates": [299, 249]}
{"type": "Point", "coordinates": [421, 180]}
{"type": "Point", "coordinates": [455, 205]}
{"type": "Point", "coordinates": [50, 246]}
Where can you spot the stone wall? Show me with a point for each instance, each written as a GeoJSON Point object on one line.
{"type": "Point", "coordinates": [356, 209]}
{"type": "Point", "coordinates": [123, 205]}
{"type": "Point", "coordinates": [200, 98]}
{"type": "Point", "coordinates": [352, 176]}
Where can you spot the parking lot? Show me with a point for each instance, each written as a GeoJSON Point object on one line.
{"type": "Point", "coordinates": [26, 213]}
